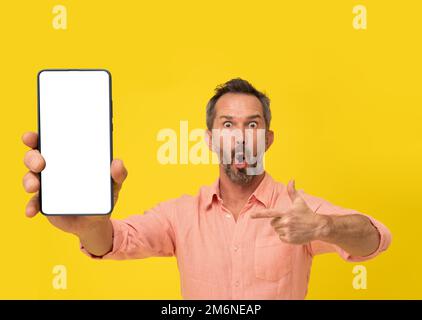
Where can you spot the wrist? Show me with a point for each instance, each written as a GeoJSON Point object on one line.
{"type": "Point", "coordinates": [326, 228]}
{"type": "Point", "coordinates": [91, 225]}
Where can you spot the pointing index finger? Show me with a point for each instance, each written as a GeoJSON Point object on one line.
{"type": "Point", "coordinates": [266, 213]}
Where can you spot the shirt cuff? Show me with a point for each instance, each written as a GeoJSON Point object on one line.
{"type": "Point", "coordinates": [117, 241]}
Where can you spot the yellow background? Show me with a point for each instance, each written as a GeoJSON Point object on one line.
{"type": "Point", "coordinates": [346, 109]}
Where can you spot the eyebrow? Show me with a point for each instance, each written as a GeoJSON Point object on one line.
{"type": "Point", "coordinates": [254, 116]}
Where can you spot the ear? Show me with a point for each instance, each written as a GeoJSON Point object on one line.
{"type": "Point", "coordinates": [269, 139]}
{"type": "Point", "coordinates": [208, 139]}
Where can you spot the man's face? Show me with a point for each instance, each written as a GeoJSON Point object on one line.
{"type": "Point", "coordinates": [239, 120]}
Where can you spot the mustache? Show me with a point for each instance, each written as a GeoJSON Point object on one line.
{"type": "Point", "coordinates": [239, 155]}
{"type": "Point", "coordinates": [242, 154]}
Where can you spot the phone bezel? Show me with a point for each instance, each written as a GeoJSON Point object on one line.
{"type": "Point", "coordinates": [110, 138]}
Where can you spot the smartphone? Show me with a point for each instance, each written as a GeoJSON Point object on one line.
{"type": "Point", "coordinates": [75, 138]}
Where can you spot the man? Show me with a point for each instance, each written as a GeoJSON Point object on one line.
{"type": "Point", "coordinates": [244, 237]}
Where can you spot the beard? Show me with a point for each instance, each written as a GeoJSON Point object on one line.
{"type": "Point", "coordinates": [238, 176]}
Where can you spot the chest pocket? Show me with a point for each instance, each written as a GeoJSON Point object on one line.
{"type": "Point", "coordinates": [273, 258]}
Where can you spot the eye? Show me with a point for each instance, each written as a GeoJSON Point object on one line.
{"type": "Point", "coordinates": [227, 124]}
{"type": "Point", "coordinates": [253, 125]}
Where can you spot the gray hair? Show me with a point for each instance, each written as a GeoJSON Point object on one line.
{"type": "Point", "coordinates": [238, 85]}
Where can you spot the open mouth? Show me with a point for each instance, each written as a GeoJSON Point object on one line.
{"type": "Point", "coordinates": [240, 161]}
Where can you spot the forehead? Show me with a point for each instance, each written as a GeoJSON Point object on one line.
{"type": "Point", "coordinates": [238, 105]}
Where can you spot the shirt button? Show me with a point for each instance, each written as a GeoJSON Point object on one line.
{"type": "Point", "coordinates": [236, 283]}
{"type": "Point", "coordinates": [228, 215]}
{"type": "Point", "coordinates": [236, 248]}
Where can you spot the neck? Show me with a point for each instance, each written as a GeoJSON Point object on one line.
{"type": "Point", "coordinates": [233, 193]}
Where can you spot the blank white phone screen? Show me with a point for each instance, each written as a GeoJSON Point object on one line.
{"type": "Point", "coordinates": [75, 141]}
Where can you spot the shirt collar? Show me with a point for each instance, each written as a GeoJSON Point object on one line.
{"type": "Point", "coordinates": [262, 193]}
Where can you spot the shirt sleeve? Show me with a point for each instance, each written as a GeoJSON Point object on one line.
{"type": "Point", "coordinates": [144, 235]}
{"type": "Point", "coordinates": [318, 247]}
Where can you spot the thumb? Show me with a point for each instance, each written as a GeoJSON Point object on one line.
{"type": "Point", "coordinates": [297, 200]}
{"type": "Point", "coordinates": [291, 190]}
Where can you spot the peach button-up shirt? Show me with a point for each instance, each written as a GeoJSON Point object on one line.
{"type": "Point", "coordinates": [220, 258]}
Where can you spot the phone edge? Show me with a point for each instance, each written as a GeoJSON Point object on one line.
{"type": "Point", "coordinates": [112, 204]}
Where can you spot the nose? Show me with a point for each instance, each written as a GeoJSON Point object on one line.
{"type": "Point", "coordinates": [239, 147]}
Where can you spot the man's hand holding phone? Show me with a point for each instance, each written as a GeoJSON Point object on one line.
{"type": "Point", "coordinates": [95, 232]}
